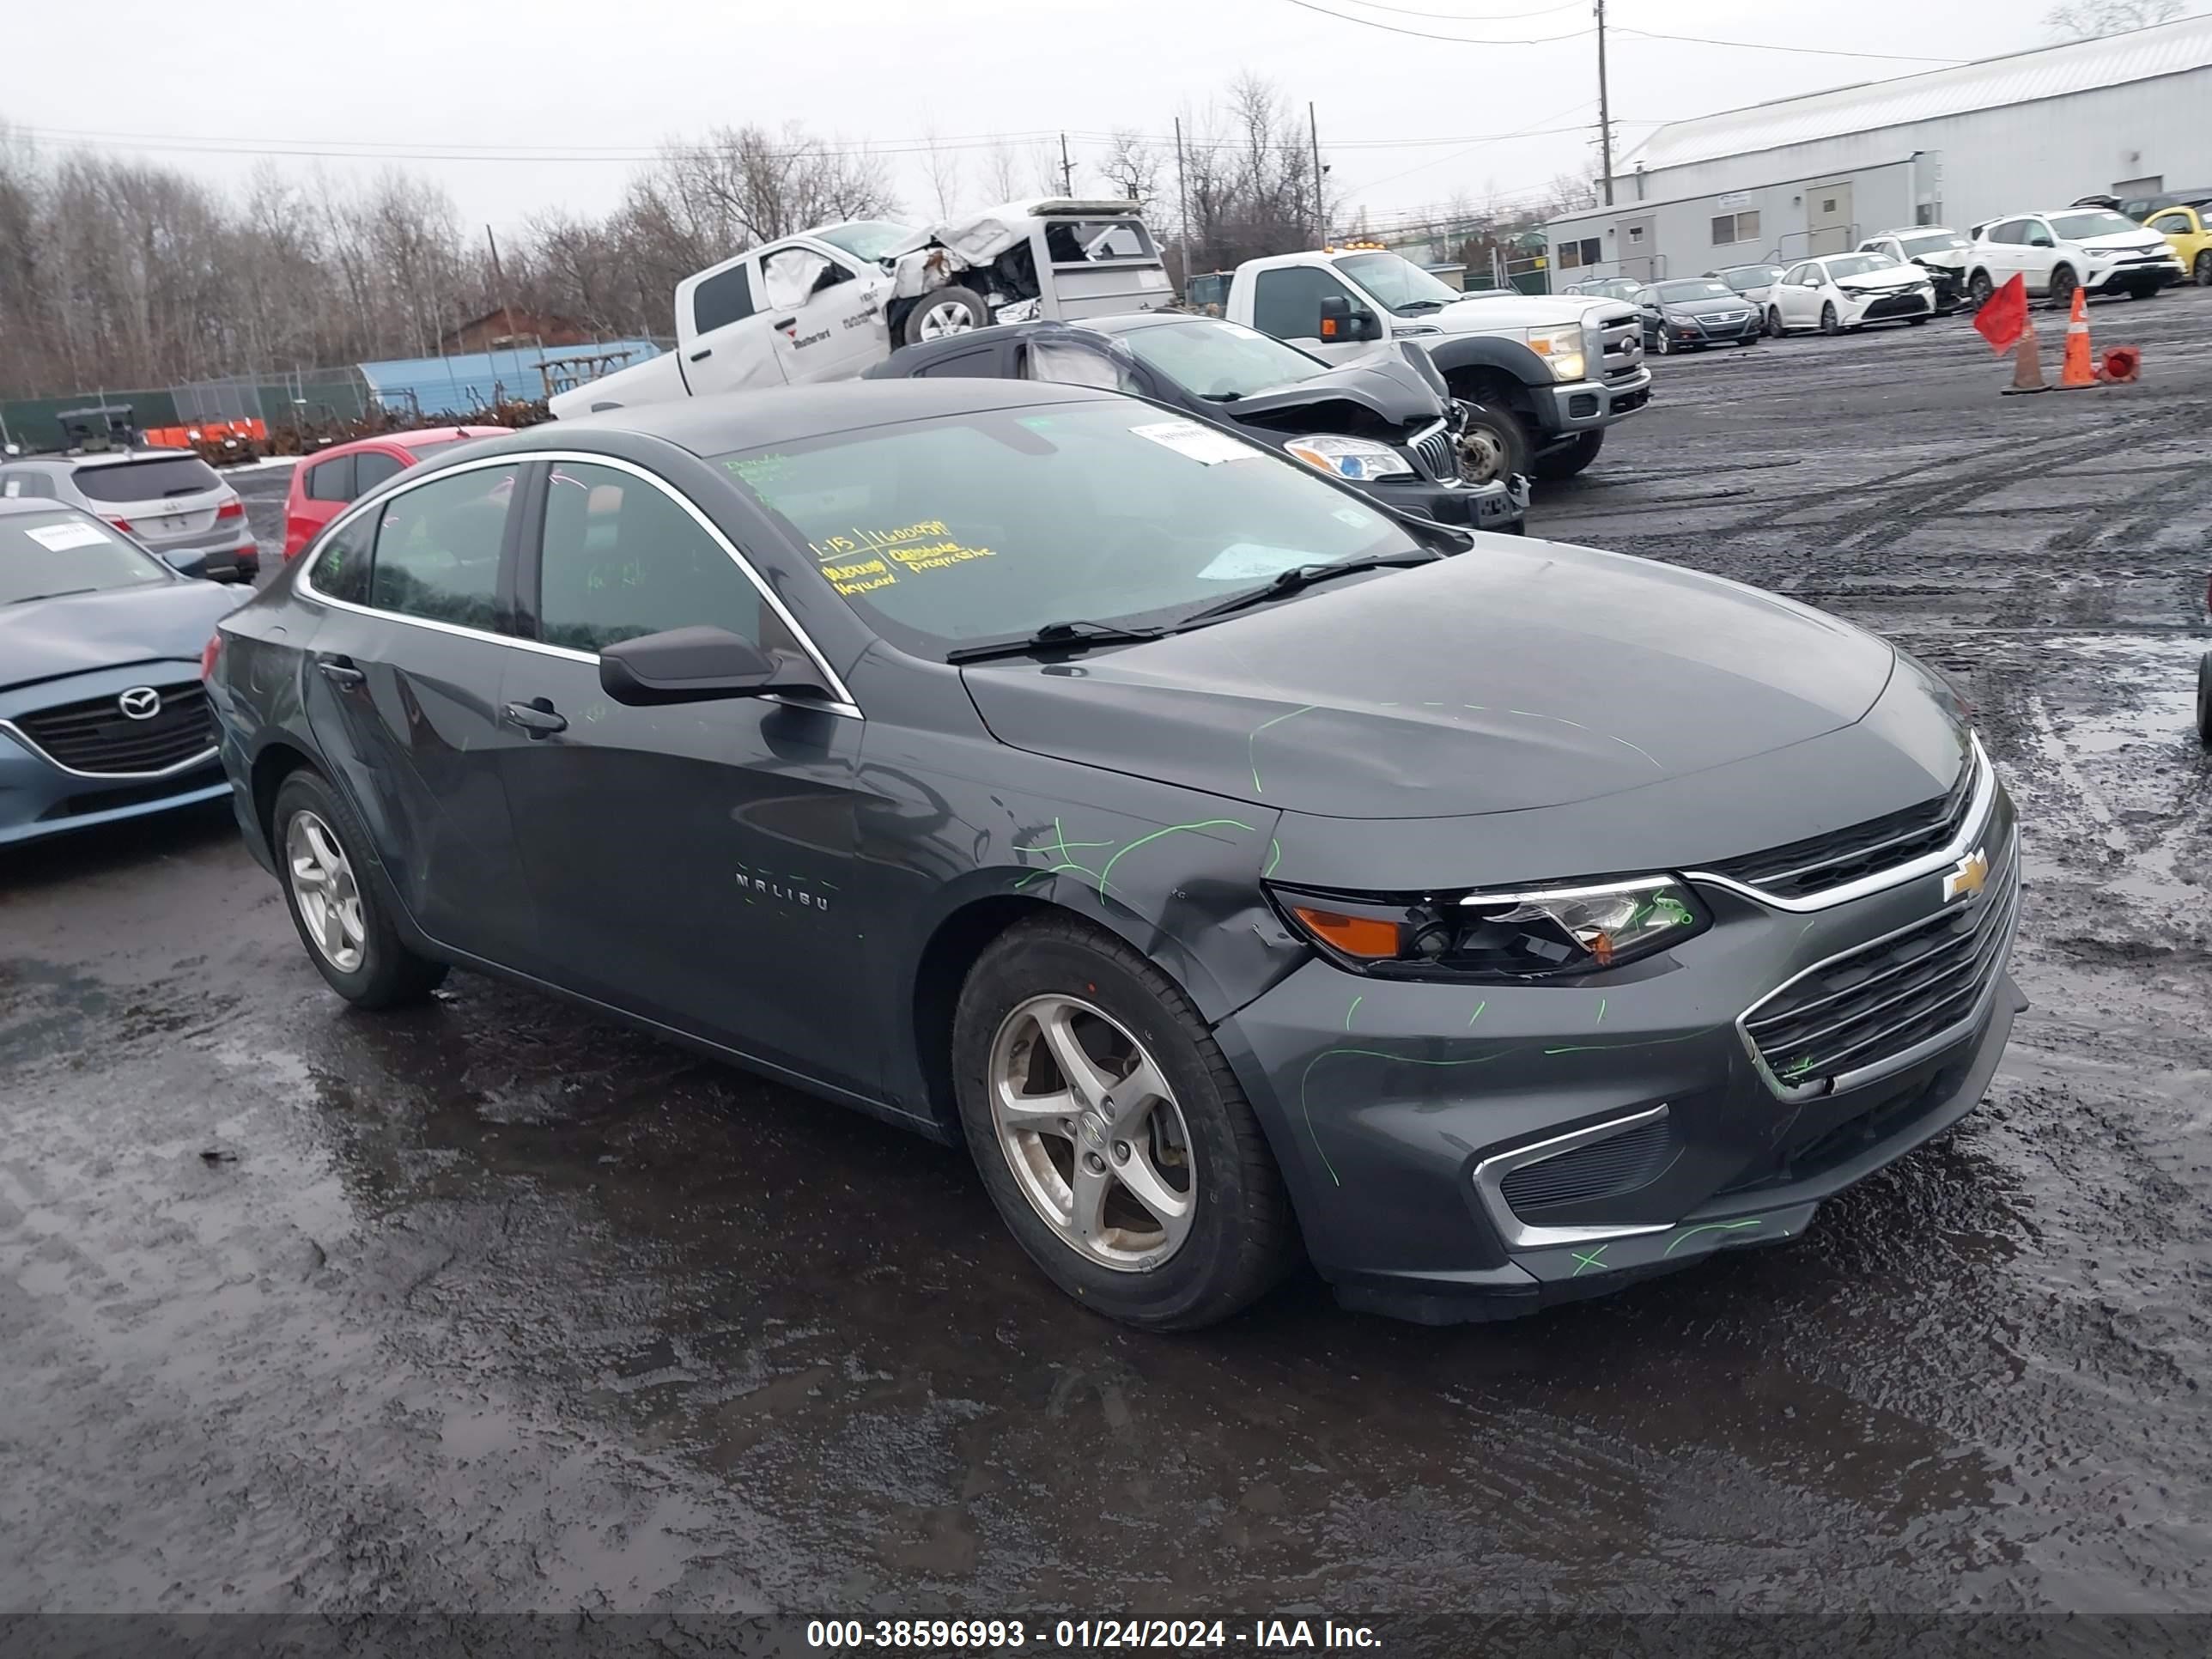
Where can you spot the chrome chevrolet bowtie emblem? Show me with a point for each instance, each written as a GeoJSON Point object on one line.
{"type": "Point", "coordinates": [1966, 875]}
{"type": "Point", "coordinates": [140, 702]}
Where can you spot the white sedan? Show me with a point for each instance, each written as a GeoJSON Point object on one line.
{"type": "Point", "coordinates": [1848, 290]}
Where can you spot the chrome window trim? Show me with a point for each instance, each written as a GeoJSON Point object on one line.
{"type": "Point", "coordinates": [841, 703]}
{"type": "Point", "coordinates": [25, 739]}
{"type": "Point", "coordinates": [1971, 828]}
{"type": "Point", "coordinates": [1845, 1081]}
{"type": "Point", "coordinates": [1489, 1174]}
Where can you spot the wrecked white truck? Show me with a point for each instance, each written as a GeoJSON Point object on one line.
{"type": "Point", "coordinates": [829, 302]}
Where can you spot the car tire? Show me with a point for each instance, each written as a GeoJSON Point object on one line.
{"type": "Point", "coordinates": [1829, 324]}
{"type": "Point", "coordinates": [2062, 284]}
{"type": "Point", "coordinates": [1492, 444]}
{"type": "Point", "coordinates": [341, 919]}
{"type": "Point", "coordinates": [2204, 699]}
{"type": "Point", "coordinates": [1915, 322]}
{"type": "Point", "coordinates": [1748, 340]}
{"type": "Point", "coordinates": [2141, 293]}
{"type": "Point", "coordinates": [1055, 978]}
{"type": "Point", "coordinates": [1572, 457]}
{"type": "Point", "coordinates": [2204, 268]}
{"type": "Point", "coordinates": [942, 310]}
{"type": "Point", "coordinates": [1979, 289]}
{"type": "Point", "coordinates": [1775, 331]}
{"type": "Point", "coordinates": [1666, 346]}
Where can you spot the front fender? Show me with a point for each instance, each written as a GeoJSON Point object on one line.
{"type": "Point", "coordinates": [1489, 351]}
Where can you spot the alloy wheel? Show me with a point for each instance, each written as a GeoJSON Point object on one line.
{"type": "Point", "coordinates": [1666, 345]}
{"type": "Point", "coordinates": [2062, 284]}
{"type": "Point", "coordinates": [324, 888]}
{"type": "Point", "coordinates": [1091, 1129]}
{"type": "Point", "coordinates": [946, 317]}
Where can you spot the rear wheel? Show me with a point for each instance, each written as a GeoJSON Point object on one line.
{"type": "Point", "coordinates": [1111, 1133]}
{"type": "Point", "coordinates": [341, 919]}
{"type": "Point", "coordinates": [2204, 268]}
{"type": "Point", "coordinates": [2204, 700]}
{"type": "Point", "coordinates": [1572, 457]}
{"type": "Point", "coordinates": [1829, 324]}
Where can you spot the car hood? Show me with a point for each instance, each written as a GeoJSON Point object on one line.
{"type": "Point", "coordinates": [46, 639]}
{"type": "Point", "coordinates": [1383, 382]}
{"type": "Point", "coordinates": [1500, 315]}
{"type": "Point", "coordinates": [1896, 276]}
{"type": "Point", "coordinates": [1707, 307]}
{"type": "Point", "coordinates": [2125, 241]}
{"type": "Point", "coordinates": [1949, 259]}
{"type": "Point", "coordinates": [1517, 676]}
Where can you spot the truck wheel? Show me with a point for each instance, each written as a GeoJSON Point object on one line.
{"type": "Point", "coordinates": [943, 311]}
{"type": "Point", "coordinates": [1566, 462]}
{"type": "Point", "coordinates": [1491, 445]}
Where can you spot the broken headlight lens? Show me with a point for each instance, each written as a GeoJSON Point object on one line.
{"type": "Point", "coordinates": [1349, 457]}
{"type": "Point", "coordinates": [1498, 934]}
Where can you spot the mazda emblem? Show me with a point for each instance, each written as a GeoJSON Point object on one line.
{"type": "Point", "coordinates": [140, 702]}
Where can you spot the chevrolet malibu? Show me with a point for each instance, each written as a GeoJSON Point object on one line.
{"type": "Point", "coordinates": [1237, 872]}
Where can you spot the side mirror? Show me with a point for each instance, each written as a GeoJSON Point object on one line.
{"type": "Point", "coordinates": [693, 664]}
{"type": "Point", "coordinates": [1340, 319]}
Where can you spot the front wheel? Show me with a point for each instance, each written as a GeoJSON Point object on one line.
{"type": "Point", "coordinates": [1493, 447]}
{"type": "Point", "coordinates": [1666, 345]}
{"type": "Point", "coordinates": [2141, 293]}
{"type": "Point", "coordinates": [1916, 321]}
{"type": "Point", "coordinates": [1979, 289]}
{"type": "Point", "coordinates": [1565, 462]}
{"type": "Point", "coordinates": [1748, 339]}
{"type": "Point", "coordinates": [1774, 329]}
{"type": "Point", "coordinates": [1829, 324]}
{"type": "Point", "coordinates": [341, 919]}
{"type": "Point", "coordinates": [2062, 284]}
{"type": "Point", "coordinates": [1111, 1133]}
{"type": "Point", "coordinates": [942, 312]}
{"type": "Point", "coordinates": [2204, 700]}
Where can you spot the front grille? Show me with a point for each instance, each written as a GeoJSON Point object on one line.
{"type": "Point", "coordinates": [1801, 868]}
{"type": "Point", "coordinates": [1870, 1005]}
{"type": "Point", "coordinates": [133, 795]}
{"type": "Point", "coordinates": [96, 736]}
{"type": "Point", "coordinates": [1620, 349]}
{"type": "Point", "coordinates": [1605, 1168]}
{"type": "Point", "coordinates": [1437, 455]}
{"type": "Point", "coordinates": [1896, 305]}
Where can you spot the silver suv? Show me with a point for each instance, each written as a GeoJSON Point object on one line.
{"type": "Point", "coordinates": [169, 499]}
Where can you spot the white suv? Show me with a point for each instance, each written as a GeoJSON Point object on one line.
{"type": "Point", "coordinates": [2091, 248]}
{"type": "Point", "coordinates": [170, 499]}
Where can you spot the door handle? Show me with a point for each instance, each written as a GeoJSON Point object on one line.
{"type": "Point", "coordinates": [537, 717]}
{"type": "Point", "coordinates": [701, 357]}
{"type": "Point", "coordinates": [340, 671]}
{"type": "Point", "coordinates": [785, 322]}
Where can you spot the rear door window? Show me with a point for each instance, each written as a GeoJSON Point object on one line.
{"type": "Point", "coordinates": [438, 548]}
{"type": "Point", "coordinates": [339, 569]}
{"type": "Point", "coordinates": [156, 479]}
{"type": "Point", "coordinates": [725, 297]}
{"type": "Point", "coordinates": [331, 480]}
{"type": "Point", "coordinates": [371, 468]}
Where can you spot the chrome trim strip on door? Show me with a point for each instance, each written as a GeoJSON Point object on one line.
{"type": "Point", "coordinates": [843, 703]}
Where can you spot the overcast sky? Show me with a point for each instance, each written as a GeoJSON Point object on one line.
{"type": "Point", "coordinates": [437, 88]}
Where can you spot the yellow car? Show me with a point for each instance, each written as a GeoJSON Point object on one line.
{"type": "Point", "coordinates": [2189, 231]}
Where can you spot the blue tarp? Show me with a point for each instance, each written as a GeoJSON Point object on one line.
{"type": "Point", "coordinates": [454, 385]}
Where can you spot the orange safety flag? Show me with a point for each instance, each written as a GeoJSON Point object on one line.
{"type": "Point", "coordinates": [2003, 315]}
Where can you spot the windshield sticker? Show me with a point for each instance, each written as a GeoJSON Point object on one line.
{"type": "Point", "coordinates": [927, 545]}
{"type": "Point", "coordinates": [1201, 444]}
{"type": "Point", "coordinates": [1356, 518]}
{"type": "Point", "coordinates": [1250, 562]}
{"type": "Point", "coordinates": [60, 537]}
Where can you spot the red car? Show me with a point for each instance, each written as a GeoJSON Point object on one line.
{"type": "Point", "coordinates": [322, 486]}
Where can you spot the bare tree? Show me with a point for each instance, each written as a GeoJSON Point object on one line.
{"type": "Point", "coordinates": [1570, 192]}
{"type": "Point", "coordinates": [942, 168]}
{"type": "Point", "coordinates": [2085, 19]}
{"type": "Point", "coordinates": [1131, 167]}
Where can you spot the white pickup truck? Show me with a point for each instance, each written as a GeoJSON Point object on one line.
{"type": "Point", "coordinates": [828, 302]}
{"type": "Point", "coordinates": [1550, 374]}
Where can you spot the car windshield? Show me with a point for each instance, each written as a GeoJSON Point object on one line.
{"type": "Point", "coordinates": [2076, 227]}
{"type": "Point", "coordinates": [866, 239]}
{"type": "Point", "coordinates": [993, 525]}
{"type": "Point", "coordinates": [1675, 294]}
{"type": "Point", "coordinates": [155, 478]}
{"type": "Point", "coordinates": [43, 555]}
{"type": "Point", "coordinates": [1221, 361]}
{"type": "Point", "coordinates": [1743, 278]}
{"type": "Point", "coordinates": [1940, 241]}
{"type": "Point", "coordinates": [1397, 281]}
{"type": "Point", "coordinates": [1860, 264]}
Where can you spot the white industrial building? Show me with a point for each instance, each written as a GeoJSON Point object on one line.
{"type": "Point", "coordinates": [2129, 114]}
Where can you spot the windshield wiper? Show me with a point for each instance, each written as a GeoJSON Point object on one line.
{"type": "Point", "coordinates": [1301, 576]}
{"type": "Point", "coordinates": [65, 593]}
{"type": "Point", "coordinates": [1078, 635]}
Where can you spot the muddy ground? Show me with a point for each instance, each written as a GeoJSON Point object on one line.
{"type": "Point", "coordinates": [490, 1306]}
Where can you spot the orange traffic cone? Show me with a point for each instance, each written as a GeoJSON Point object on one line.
{"type": "Point", "coordinates": [2121, 366]}
{"type": "Point", "coordinates": [2079, 370]}
{"type": "Point", "coordinates": [2028, 367]}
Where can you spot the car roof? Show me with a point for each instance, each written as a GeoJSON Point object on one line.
{"type": "Point", "coordinates": [111, 457]}
{"type": "Point", "coordinates": [18, 504]}
{"type": "Point", "coordinates": [745, 420]}
{"type": "Point", "coordinates": [413, 438]}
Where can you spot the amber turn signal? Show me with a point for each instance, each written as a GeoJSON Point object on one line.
{"type": "Point", "coordinates": [1356, 936]}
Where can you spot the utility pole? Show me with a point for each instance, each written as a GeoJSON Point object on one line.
{"type": "Point", "coordinates": [1182, 207]}
{"type": "Point", "coordinates": [1321, 205]}
{"type": "Point", "coordinates": [1067, 169]}
{"type": "Point", "coordinates": [1604, 110]}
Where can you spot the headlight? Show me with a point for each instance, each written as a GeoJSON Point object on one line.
{"type": "Point", "coordinates": [1349, 457]}
{"type": "Point", "coordinates": [1561, 347]}
{"type": "Point", "coordinates": [1487, 934]}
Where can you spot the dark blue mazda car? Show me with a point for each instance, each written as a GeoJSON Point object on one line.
{"type": "Point", "coordinates": [102, 714]}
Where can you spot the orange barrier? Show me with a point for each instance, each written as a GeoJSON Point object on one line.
{"type": "Point", "coordinates": [2078, 370]}
{"type": "Point", "coordinates": [2122, 365]}
{"type": "Point", "coordinates": [2028, 367]}
{"type": "Point", "coordinates": [207, 432]}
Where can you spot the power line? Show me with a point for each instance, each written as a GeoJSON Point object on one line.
{"type": "Point", "coordinates": [1427, 34]}
{"type": "Point", "coordinates": [1647, 34]}
{"type": "Point", "coordinates": [1462, 17]}
{"type": "Point", "coordinates": [1809, 51]}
